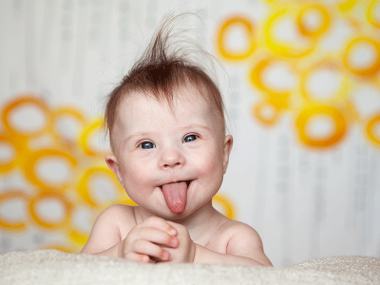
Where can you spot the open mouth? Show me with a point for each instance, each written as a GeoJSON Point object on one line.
{"type": "Point", "coordinates": [188, 182]}
{"type": "Point", "coordinates": [175, 194]}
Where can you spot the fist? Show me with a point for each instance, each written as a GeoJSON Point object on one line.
{"type": "Point", "coordinates": [185, 251]}
{"type": "Point", "coordinates": [147, 241]}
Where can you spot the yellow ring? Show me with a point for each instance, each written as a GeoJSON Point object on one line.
{"type": "Point", "coordinates": [78, 238]}
{"type": "Point", "coordinates": [347, 5]}
{"type": "Point", "coordinates": [370, 70]}
{"type": "Point", "coordinates": [226, 204]}
{"type": "Point", "coordinates": [33, 158]}
{"type": "Point", "coordinates": [84, 141]}
{"type": "Point", "coordinates": [286, 50]}
{"type": "Point", "coordinates": [84, 189]}
{"type": "Point", "coordinates": [7, 196]}
{"type": "Point", "coordinates": [257, 113]}
{"type": "Point", "coordinates": [371, 13]}
{"type": "Point", "coordinates": [21, 101]}
{"type": "Point", "coordinates": [255, 77]}
{"type": "Point", "coordinates": [127, 201]}
{"type": "Point", "coordinates": [222, 46]}
{"type": "Point", "coordinates": [370, 126]}
{"type": "Point", "coordinates": [64, 223]}
{"type": "Point", "coordinates": [308, 113]}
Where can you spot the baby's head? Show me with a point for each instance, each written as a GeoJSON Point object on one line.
{"type": "Point", "coordinates": [167, 131]}
{"type": "Point", "coordinates": [159, 74]}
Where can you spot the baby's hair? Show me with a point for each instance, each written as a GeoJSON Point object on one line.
{"type": "Point", "coordinates": [163, 68]}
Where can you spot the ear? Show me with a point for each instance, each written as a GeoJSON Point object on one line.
{"type": "Point", "coordinates": [228, 141]}
{"type": "Point", "coordinates": [112, 163]}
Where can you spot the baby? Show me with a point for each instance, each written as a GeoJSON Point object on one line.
{"type": "Point", "coordinates": [170, 152]}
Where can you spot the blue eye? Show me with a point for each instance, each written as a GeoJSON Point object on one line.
{"type": "Point", "coordinates": [147, 145]}
{"type": "Point", "coordinates": [190, 138]}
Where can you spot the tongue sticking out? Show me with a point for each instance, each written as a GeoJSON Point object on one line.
{"type": "Point", "coordinates": [175, 196]}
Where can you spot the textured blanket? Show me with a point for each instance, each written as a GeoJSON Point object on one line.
{"type": "Point", "coordinates": [56, 267]}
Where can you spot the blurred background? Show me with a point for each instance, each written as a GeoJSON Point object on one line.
{"type": "Point", "coordinates": [301, 82]}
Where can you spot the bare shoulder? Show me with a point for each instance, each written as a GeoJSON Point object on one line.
{"type": "Point", "coordinates": [240, 239]}
{"type": "Point", "coordinates": [119, 215]}
{"type": "Point", "coordinates": [241, 232]}
{"type": "Point", "coordinates": [117, 210]}
{"type": "Point", "coordinates": [110, 227]}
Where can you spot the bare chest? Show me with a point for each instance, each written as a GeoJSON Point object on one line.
{"type": "Point", "coordinates": [216, 241]}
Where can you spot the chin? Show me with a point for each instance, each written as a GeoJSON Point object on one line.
{"type": "Point", "coordinates": [168, 215]}
{"type": "Point", "coordinates": [175, 216]}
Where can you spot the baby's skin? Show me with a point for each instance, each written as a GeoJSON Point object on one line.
{"type": "Point", "coordinates": [171, 160]}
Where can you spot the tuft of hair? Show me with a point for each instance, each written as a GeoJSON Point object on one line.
{"type": "Point", "coordinates": [165, 66]}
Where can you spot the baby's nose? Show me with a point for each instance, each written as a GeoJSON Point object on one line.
{"type": "Point", "coordinates": [172, 157]}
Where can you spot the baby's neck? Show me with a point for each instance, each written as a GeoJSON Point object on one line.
{"type": "Point", "coordinates": [199, 224]}
{"type": "Point", "coordinates": [203, 225]}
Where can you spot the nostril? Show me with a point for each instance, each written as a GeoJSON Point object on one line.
{"type": "Point", "coordinates": [166, 165]}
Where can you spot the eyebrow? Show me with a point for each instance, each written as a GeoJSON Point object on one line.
{"type": "Point", "coordinates": [196, 126]}
{"type": "Point", "coordinates": [138, 134]}
{"type": "Point", "coordinates": [147, 134]}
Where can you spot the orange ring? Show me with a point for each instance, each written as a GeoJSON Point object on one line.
{"type": "Point", "coordinates": [21, 101]}
{"type": "Point", "coordinates": [6, 166]}
{"type": "Point", "coordinates": [64, 223]}
{"type": "Point", "coordinates": [369, 130]}
{"type": "Point", "coordinates": [308, 113]}
{"type": "Point", "coordinates": [250, 46]}
{"type": "Point", "coordinates": [34, 157]}
{"type": "Point", "coordinates": [367, 71]}
{"type": "Point", "coordinates": [84, 187]}
{"type": "Point", "coordinates": [7, 196]}
{"type": "Point", "coordinates": [304, 31]}
{"type": "Point", "coordinates": [66, 111]}
{"type": "Point", "coordinates": [341, 94]}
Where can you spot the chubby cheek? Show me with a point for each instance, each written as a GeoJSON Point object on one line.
{"type": "Point", "coordinates": [136, 177]}
{"type": "Point", "coordinates": [210, 166]}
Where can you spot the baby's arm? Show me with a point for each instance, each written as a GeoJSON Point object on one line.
{"type": "Point", "coordinates": [141, 242]}
{"type": "Point", "coordinates": [242, 245]}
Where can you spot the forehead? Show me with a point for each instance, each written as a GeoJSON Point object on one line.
{"type": "Point", "coordinates": [188, 105]}
{"type": "Point", "coordinates": [180, 97]}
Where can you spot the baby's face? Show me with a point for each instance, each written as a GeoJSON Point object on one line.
{"type": "Point", "coordinates": [170, 161]}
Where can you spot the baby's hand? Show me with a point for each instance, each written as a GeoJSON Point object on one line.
{"type": "Point", "coordinates": [185, 251]}
{"type": "Point", "coordinates": [145, 241]}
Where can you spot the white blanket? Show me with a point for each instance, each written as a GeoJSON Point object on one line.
{"type": "Point", "coordinates": [56, 267]}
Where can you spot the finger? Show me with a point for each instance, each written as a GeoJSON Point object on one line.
{"type": "Point", "coordinates": [150, 249]}
{"type": "Point", "coordinates": [178, 227]}
{"type": "Point", "coordinates": [133, 256]}
{"type": "Point", "coordinates": [158, 237]}
{"type": "Point", "coordinates": [160, 224]}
